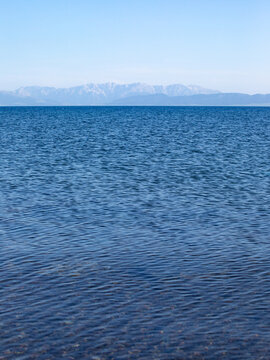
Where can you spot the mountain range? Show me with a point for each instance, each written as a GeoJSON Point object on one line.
{"type": "Point", "coordinates": [134, 94]}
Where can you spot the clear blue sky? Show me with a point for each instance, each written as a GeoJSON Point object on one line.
{"type": "Point", "coordinates": [221, 44]}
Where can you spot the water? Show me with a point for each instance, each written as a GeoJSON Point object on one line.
{"type": "Point", "coordinates": [134, 233]}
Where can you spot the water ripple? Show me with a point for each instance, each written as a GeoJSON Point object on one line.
{"type": "Point", "coordinates": [134, 233]}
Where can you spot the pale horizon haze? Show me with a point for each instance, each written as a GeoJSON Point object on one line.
{"type": "Point", "coordinates": [219, 45]}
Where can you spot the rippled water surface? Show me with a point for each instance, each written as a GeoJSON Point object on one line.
{"type": "Point", "coordinates": [134, 233]}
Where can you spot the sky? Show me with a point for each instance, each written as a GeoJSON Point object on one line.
{"type": "Point", "coordinates": [218, 44]}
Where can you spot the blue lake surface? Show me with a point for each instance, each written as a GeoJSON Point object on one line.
{"type": "Point", "coordinates": [134, 233]}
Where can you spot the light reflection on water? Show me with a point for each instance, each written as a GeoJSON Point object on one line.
{"type": "Point", "coordinates": [134, 233]}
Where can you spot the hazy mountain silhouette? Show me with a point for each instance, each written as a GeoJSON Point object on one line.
{"type": "Point", "coordinates": [93, 94]}
{"type": "Point", "coordinates": [136, 94]}
{"type": "Point", "coordinates": [222, 99]}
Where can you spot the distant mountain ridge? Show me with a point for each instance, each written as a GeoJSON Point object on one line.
{"type": "Point", "coordinates": [94, 94]}
{"type": "Point", "coordinates": [135, 94]}
{"type": "Point", "coordinates": [221, 99]}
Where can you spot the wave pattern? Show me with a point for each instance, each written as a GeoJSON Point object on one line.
{"type": "Point", "coordinates": [134, 233]}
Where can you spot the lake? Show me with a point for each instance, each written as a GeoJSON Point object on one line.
{"type": "Point", "coordinates": [134, 233]}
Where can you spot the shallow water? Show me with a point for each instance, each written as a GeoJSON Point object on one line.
{"type": "Point", "coordinates": [134, 233]}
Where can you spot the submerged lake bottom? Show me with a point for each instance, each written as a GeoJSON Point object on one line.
{"type": "Point", "coordinates": [134, 233]}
